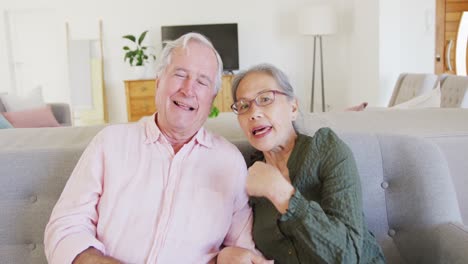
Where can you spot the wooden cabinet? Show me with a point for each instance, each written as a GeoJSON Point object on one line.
{"type": "Point", "coordinates": [223, 100]}
{"type": "Point", "coordinates": [140, 97]}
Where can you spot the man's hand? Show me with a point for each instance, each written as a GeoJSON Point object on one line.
{"type": "Point", "coordinates": [94, 256]}
{"type": "Point", "coordinates": [236, 255]}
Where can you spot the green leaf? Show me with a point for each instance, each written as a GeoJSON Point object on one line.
{"type": "Point", "coordinates": [142, 37]}
{"type": "Point", "coordinates": [127, 55]}
{"type": "Point", "coordinates": [140, 61]}
{"type": "Point", "coordinates": [126, 48]}
{"type": "Point", "coordinates": [214, 112]}
{"type": "Point", "coordinates": [130, 37]}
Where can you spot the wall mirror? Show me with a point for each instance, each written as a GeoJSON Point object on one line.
{"type": "Point", "coordinates": [86, 76]}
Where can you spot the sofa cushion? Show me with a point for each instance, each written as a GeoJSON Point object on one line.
{"type": "Point", "coordinates": [37, 117]}
{"type": "Point", "coordinates": [4, 122]}
{"type": "Point", "coordinates": [425, 100]}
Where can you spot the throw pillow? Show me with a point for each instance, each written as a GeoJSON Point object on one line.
{"type": "Point", "coordinates": [38, 117]}
{"type": "Point", "coordinates": [19, 103]}
{"type": "Point", "coordinates": [4, 123]}
{"type": "Point", "coordinates": [426, 100]}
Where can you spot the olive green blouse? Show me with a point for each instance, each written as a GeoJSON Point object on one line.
{"type": "Point", "coordinates": [324, 222]}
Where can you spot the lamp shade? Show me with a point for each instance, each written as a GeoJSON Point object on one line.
{"type": "Point", "coordinates": [317, 20]}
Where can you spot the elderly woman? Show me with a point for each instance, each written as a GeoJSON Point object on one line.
{"type": "Point", "coordinates": [305, 191]}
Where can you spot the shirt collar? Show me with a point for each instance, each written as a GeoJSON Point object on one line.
{"type": "Point", "coordinates": [154, 134]}
{"type": "Point", "coordinates": [152, 131]}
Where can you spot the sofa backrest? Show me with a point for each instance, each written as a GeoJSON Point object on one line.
{"type": "Point", "coordinates": [405, 183]}
{"type": "Point", "coordinates": [406, 188]}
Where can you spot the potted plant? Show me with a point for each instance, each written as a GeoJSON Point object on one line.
{"type": "Point", "coordinates": [214, 112]}
{"type": "Point", "coordinates": [138, 56]}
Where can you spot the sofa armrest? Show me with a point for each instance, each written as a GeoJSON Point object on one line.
{"type": "Point", "coordinates": [452, 243]}
{"type": "Point", "coordinates": [62, 113]}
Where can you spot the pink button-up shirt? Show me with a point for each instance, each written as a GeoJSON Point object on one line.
{"type": "Point", "coordinates": [132, 198]}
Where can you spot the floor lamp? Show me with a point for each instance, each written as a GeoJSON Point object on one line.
{"type": "Point", "coordinates": [317, 20]}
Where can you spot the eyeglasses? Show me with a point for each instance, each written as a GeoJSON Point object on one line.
{"type": "Point", "coordinates": [262, 99]}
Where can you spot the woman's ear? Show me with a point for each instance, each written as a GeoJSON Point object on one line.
{"type": "Point", "coordinates": [294, 109]}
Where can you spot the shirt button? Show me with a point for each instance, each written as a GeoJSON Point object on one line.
{"type": "Point", "coordinates": [290, 251]}
{"type": "Point", "coordinates": [391, 232]}
{"type": "Point", "coordinates": [33, 198]}
{"type": "Point", "coordinates": [384, 185]}
{"type": "Point", "coordinates": [32, 246]}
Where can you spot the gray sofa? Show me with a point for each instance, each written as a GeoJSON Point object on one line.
{"type": "Point", "coordinates": [61, 112]}
{"type": "Point", "coordinates": [408, 194]}
{"type": "Point", "coordinates": [447, 128]}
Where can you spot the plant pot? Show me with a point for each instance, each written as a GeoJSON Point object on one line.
{"type": "Point", "coordinates": [138, 72]}
{"type": "Point", "coordinates": [144, 72]}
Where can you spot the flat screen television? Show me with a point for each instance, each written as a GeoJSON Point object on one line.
{"type": "Point", "coordinates": [223, 37]}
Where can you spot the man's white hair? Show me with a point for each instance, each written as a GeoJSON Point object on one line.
{"type": "Point", "coordinates": [165, 57]}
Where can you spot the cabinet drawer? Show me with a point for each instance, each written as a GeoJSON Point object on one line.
{"type": "Point", "coordinates": [142, 106]}
{"type": "Point", "coordinates": [141, 88]}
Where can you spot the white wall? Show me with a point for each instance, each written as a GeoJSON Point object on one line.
{"type": "Point", "coordinates": [389, 49]}
{"type": "Point", "coordinates": [417, 35]}
{"type": "Point", "coordinates": [407, 41]}
{"type": "Point", "coordinates": [4, 66]}
{"type": "Point", "coordinates": [357, 65]}
{"type": "Point", "coordinates": [363, 44]}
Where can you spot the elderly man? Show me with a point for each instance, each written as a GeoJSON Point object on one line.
{"type": "Point", "coordinates": [163, 190]}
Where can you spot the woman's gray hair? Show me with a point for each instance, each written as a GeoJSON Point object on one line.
{"type": "Point", "coordinates": [164, 58]}
{"type": "Point", "coordinates": [277, 74]}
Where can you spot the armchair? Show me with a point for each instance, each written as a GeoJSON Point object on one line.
{"type": "Point", "coordinates": [454, 91]}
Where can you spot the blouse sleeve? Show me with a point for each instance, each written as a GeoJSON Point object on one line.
{"type": "Point", "coordinates": [330, 230]}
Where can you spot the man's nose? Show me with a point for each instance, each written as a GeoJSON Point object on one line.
{"type": "Point", "coordinates": [187, 86]}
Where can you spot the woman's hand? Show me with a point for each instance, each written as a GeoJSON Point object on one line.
{"type": "Point", "coordinates": [236, 255]}
{"type": "Point", "coordinates": [94, 256]}
{"type": "Point", "coordinates": [267, 181]}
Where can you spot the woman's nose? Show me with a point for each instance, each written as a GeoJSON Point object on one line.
{"type": "Point", "coordinates": [255, 111]}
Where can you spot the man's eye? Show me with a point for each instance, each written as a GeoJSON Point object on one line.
{"type": "Point", "coordinates": [203, 82]}
{"type": "Point", "coordinates": [180, 74]}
